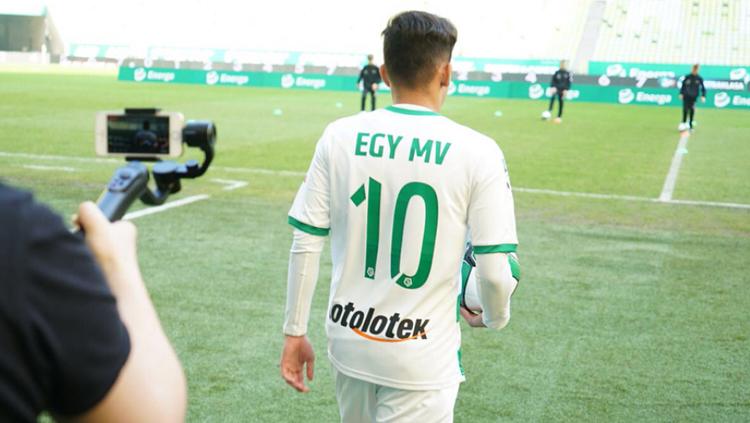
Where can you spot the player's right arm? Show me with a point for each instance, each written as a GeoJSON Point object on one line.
{"type": "Point", "coordinates": [310, 216]}
{"type": "Point", "coordinates": [683, 87]}
{"type": "Point", "coordinates": [493, 233]}
{"type": "Point", "coordinates": [361, 75]}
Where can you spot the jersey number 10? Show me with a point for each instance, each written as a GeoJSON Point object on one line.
{"type": "Point", "coordinates": [410, 190]}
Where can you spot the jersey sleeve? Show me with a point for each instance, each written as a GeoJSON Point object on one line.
{"type": "Point", "coordinates": [492, 219]}
{"type": "Point", "coordinates": [310, 211]}
{"type": "Point", "coordinates": [77, 340]}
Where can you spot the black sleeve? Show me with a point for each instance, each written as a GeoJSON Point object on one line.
{"type": "Point", "coordinates": [552, 80]}
{"type": "Point", "coordinates": [361, 75]}
{"type": "Point", "coordinates": [378, 78]}
{"type": "Point", "coordinates": [568, 81]}
{"type": "Point", "coordinates": [703, 87]}
{"type": "Point", "coordinates": [78, 342]}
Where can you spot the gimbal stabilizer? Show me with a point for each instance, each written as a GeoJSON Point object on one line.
{"type": "Point", "coordinates": [130, 182]}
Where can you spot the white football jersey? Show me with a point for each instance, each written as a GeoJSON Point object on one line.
{"type": "Point", "coordinates": [398, 190]}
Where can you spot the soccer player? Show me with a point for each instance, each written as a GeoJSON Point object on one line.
{"type": "Point", "coordinates": [692, 86]}
{"type": "Point", "coordinates": [370, 78]}
{"type": "Point", "coordinates": [560, 84]}
{"type": "Point", "coordinates": [398, 190]}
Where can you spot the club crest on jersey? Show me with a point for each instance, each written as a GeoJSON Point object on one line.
{"type": "Point", "coordinates": [377, 327]}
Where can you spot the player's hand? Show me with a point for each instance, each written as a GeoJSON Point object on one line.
{"type": "Point", "coordinates": [374, 87]}
{"type": "Point", "coordinates": [113, 244]}
{"type": "Point", "coordinates": [680, 96]}
{"type": "Point", "coordinates": [703, 99]}
{"type": "Point", "coordinates": [474, 320]}
{"type": "Point", "coordinates": [297, 354]}
{"type": "Point", "coordinates": [553, 90]}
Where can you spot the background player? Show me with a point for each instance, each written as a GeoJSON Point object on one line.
{"type": "Point", "coordinates": [560, 83]}
{"type": "Point", "coordinates": [692, 86]}
{"type": "Point", "coordinates": [370, 78]}
{"type": "Point", "coordinates": [398, 189]}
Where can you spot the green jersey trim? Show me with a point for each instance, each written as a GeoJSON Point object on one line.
{"type": "Point", "coordinates": [304, 227]}
{"type": "Point", "coordinates": [515, 267]}
{"type": "Point", "coordinates": [499, 248]}
{"type": "Point", "coordinates": [403, 111]}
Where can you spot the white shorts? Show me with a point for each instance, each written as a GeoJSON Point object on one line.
{"type": "Point", "coordinates": [365, 402]}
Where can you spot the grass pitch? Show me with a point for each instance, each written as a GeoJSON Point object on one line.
{"type": "Point", "coordinates": [627, 311]}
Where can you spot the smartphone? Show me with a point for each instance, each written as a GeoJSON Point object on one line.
{"type": "Point", "coordinates": [139, 135]}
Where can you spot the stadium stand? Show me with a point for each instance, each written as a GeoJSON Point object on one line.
{"type": "Point", "coordinates": [337, 36]}
{"type": "Point", "coordinates": [675, 31]}
{"type": "Point", "coordinates": [533, 29]}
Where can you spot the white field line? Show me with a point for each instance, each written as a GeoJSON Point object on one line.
{"type": "Point", "coordinates": [230, 184]}
{"type": "Point", "coordinates": [526, 190]}
{"type": "Point", "coordinates": [631, 198]}
{"type": "Point", "coordinates": [43, 167]}
{"type": "Point", "coordinates": [171, 205]}
{"type": "Point", "coordinates": [585, 195]}
{"type": "Point", "coordinates": [52, 157]}
{"type": "Point", "coordinates": [709, 203]}
{"type": "Point", "coordinates": [59, 158]}
{"type": "Point", "coordinates": [262, 171]}
{"type": "Point", "coordinates": [674, 168]}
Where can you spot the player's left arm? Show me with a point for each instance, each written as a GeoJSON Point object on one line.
{"type": "Point", "coordinates": [493, 233]}
{"type": "Point", "coordinates": [498, 275]}
{"type": "Point", "coordinates": [703, 89]}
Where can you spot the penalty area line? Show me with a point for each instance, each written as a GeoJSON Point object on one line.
{"type": "Point", "coordinates": [164, 207]}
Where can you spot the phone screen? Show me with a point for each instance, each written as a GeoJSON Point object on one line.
{"type": "Point", "coordinates": [138, 134]}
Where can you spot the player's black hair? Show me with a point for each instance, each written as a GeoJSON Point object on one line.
{"type": "Point", "coordinates": [414, 44]}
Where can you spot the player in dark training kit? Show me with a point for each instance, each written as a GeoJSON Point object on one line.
{"type": "Point", "coordinates": [370, 78]}
{"type": "Point", "coordinates": [560, 83]}
{"type": "Point", "coordinates": [692, 86]}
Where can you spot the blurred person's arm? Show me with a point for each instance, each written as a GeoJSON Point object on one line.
{"type": "Point", "coordinates": [683, 88]}
{"type": "Point", "coordinates": [568, 82]}
{"type": "Point", "coordinates": [151, 386]}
